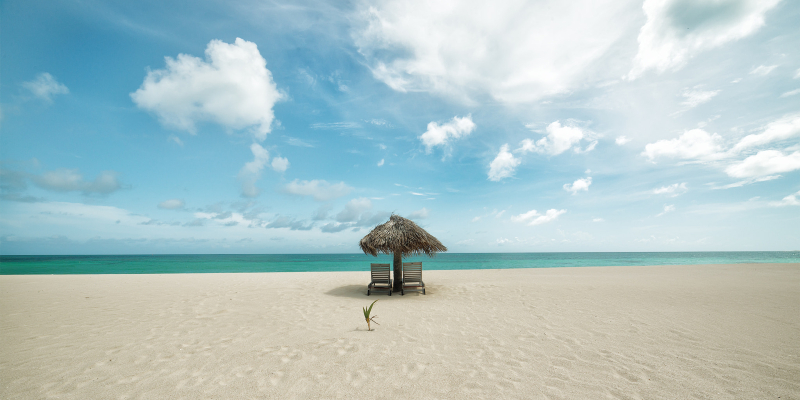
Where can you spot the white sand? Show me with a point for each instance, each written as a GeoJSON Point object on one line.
{"type": "Point", "coordinates": [673, 332]}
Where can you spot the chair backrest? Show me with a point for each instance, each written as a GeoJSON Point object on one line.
{"type": "Point", "coordinates": [412, 271]}
{"type": "Point", "coordinates": [380, 272]}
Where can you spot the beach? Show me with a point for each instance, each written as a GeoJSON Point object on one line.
{"type": "Point", "coordinates": [634, 332]}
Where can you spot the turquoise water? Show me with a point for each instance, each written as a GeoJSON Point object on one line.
{"type": "Point", "coordinates": [196, 263]}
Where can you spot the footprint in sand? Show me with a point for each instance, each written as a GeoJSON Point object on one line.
{"type": "Point", "coordinates": [276, 377]}
{"type": "Point", "coordinates": [412, 371]}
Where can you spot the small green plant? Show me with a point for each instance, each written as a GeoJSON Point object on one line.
{"type": "Point", "coordinates": [367, 317]}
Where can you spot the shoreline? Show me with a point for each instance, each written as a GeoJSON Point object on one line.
{"type": "Point", "coordinates": [663, 331]}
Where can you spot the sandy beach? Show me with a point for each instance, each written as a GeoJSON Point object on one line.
{"type": "Point", "coordinates": [672, 332]}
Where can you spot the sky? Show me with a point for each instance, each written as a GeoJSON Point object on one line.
{"type": "Point", "coordinates": [244, 126]}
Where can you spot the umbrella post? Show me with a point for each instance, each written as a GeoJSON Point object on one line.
{"type": "Point", "coordinates": [398, 271]}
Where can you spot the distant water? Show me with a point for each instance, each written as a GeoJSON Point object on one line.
{"type": "Point", "coordinates": [201, 263]}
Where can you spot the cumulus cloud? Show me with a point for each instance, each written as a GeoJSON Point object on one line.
{"type": "Point", "coordinates": [763, 163]}
{"type": "Point", "coordinates": [280, 164]}
{"type": "Point", "coordinates": [68, 180]}
{"type": "Point", "coordinates": [621, 140]}
{"type": "Point", "coordinates": [503, 165]}
{"type": "Point", "coordinates": [559, 139]}
{"type": "Point", "coordinates": [288, 222]}
{"type": "Point", "coordinates": [319, 189]}
{"type": "Point", "coordinates": [579, 185]}
{"type": "Point", "coordinates": [790, 200]}
{"type": "Point", "coordinates": [677, 30]}
{"type": "Point", "coordinates": [701, 146]}
{"type": "Point", "coordinates": [45, 87]}
{"type": "Point", "coordinates": [380, 163]}
{"type": "Point", "coordinates": [512, 50]}
{"type": "Point", "coordinates": [231, 87]}
{"type": "Point", "coordinates": [353, 210]}
{"type": "Point", "coordinates": [172, 204]}
{"type": "Point", "coordinates": [694, 97]}
{"type": "Point", "coordinates": [439, 135]}
{"type": "Point", "coordinates": [667, 209]}
{"type": "Point", "coordinates": [781, 129]}
{"type": "Point", "coordinates": [676, 189]}
{"type": "Point", "coordinates": [763, 70]}
{"type": "Point", "coordinates": [251, 171]}
{"type": "Point", "coordinates": [533, 218]}
{"type": "Point", "coordinates": [334, 227]}
{"type": "Point", "coordinates": [693, 144]}
{"type": "Point", "coordinates": [419, 214]}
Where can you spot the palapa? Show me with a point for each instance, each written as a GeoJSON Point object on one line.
{"type": "Point", "coordinates": [400, 237]}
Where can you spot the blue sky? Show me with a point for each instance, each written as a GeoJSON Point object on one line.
{"type": "Point", "coordinates": [296, 127]}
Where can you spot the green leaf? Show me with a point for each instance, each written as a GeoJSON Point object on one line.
{"type": "Point", "coordinates": [368, 311]}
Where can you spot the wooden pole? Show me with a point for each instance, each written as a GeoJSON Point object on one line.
{"type": "Point", "coordinates": [398, 270]}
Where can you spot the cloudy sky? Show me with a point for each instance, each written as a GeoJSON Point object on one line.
{"type": "Point", "coordinates": [294, 127]}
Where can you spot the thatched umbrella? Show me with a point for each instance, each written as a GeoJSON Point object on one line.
{"type": "Point", "coordinates": [400, 237]}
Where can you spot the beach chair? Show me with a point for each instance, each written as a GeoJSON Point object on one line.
{"type": "Point", "coordinates": [412, 278]}
{"type": "Point", "coordinates": [380, 278]}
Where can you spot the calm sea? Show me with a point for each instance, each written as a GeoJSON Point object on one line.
{"type": "Point", "coordinates": [197, 263]}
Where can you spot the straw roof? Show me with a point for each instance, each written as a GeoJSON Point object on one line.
{"type": "Point", "coordinates": [400, 235]}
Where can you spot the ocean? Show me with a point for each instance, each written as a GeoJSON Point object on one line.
{"type": "Point", "coordinates": [203, 263]}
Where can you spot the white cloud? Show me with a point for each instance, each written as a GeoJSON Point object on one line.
{"type": "Point", "coordinates": [172, 204]}
{"type": "Point", "coordinates": [176, 140]}
{"type": "Point", "coordinates": [695, 143]}
{"type": "Point", "coordinates": [791, 93]}
{"type": "Point", "coordinates": [280, 164]}
{"type": "Point", "coordinates": [598, 220]}
{"type": "Point", "coordinates": [68, 180]}
{"type": "Point", "coordinates": [765, 162]}
{"type": "Point", "coordinates": [790, 200]}
{"type": "Point", "coordinates": [503, 165]}
{"type": "Point", "coordinates": [621, 140]}
{"type": "Point", "coordinates": [797, 74]}
{"type": "Point", "coordinates": [782, 129]}
{"type": "Point", "coordinates": [439, 135]}
{"type": "Point", "coordinates": [336, 125]}
{"type": "Point", "coordinates": [578, 185]}
{"type": "Point", "coordinates": [232, 87]}
{"type": "Point", "coordinates": [45, 87]}
{"type": "Point", "coordinates": [746, 182]}
{"type": "Point", "coordinates": [697, 97]}
{"type": "Point", "coordinates": [512, 50]}
{"type": "Point", "coordinates": [380, 163]}
{"type": "Point", "coordinates": [251, 171]}
{"type": "Point", "coordinates": [321, 190]}
{"type": "Point", "coordinates": [293, 141]}
{"type": "Point", "coordinates": [676, 189]}
{"type": "Point", "coordinates": [763, 70]}
{"type": "Point", "coordinates": [533, 218]}
{"type": "Point", "coordinates": [677, 30]}
{"type": "Point", "coordinates": [419, 214]}
{"type": "Point", "coordinates": [558, 140]}
{"type": "Point", "coordinates": [353, 209]}
{"type": "Point", "coordinates": [667, 209]}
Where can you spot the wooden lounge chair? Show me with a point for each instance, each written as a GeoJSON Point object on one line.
{"type": "Point", "coordinates": [412, 278]}
{"type": "Point", "coordinates": [380, 278]}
